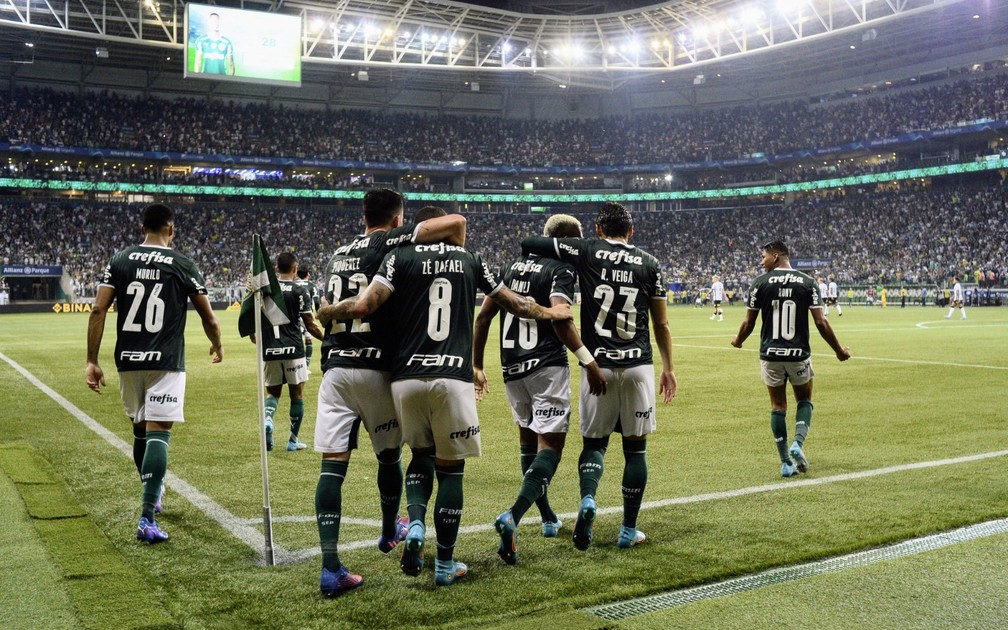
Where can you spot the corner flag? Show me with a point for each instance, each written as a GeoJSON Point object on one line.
{"type": "Point", "coordinates": [261, 278]}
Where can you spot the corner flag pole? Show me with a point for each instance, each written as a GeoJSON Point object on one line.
{"type": "Point", "coordinates": [260, 369]}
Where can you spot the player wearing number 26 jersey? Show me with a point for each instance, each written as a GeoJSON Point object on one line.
{"type": "Point", "coordinates": [784, 298]}
{"type": "Point", "coordinates": [621, 292]}
{"type": "Point", "coordinates": [152, 285]}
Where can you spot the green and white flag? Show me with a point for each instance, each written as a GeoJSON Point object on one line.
{"type": "Point", "coordinates": [261, 278]}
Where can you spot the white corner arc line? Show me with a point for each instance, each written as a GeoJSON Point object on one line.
{"type": "Point", "coordinates": [213, 510]}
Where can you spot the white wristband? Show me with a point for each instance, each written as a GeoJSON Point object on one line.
{"type": "Point", "coordinates": [584, 357]}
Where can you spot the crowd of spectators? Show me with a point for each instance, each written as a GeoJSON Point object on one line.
{"type": "Point", "coordinates": [901, 236]}
{"type": "Point", "coordinates": [113, 121]}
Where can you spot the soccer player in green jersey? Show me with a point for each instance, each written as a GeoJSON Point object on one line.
{"type": "Point", "coordinates": [784, 298]}
{"type": "Point", "coordinates": [622, 295]}
{"type": "Point", "coordinates": [151, 285]}
{"type": "Point", "coordinates": [356, 382]}
{"type": "Point", "coordinates": [536, 378]}
{"type": "Point", "coordinates": [433, 288]}
{"type": "Point", "coordinates": [305, 279]}
{"type": "Point", "coordinates": [284, 352]}
{"type": "Point", "coordinates": [214, 52]}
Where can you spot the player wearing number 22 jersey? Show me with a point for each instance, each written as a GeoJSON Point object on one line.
{"type": "Point", "coordinates": [432, 289]}
{"type": "Point", "coordinates": [355, 389]}
{"type": "Point", "coordinates": [151, 285]}
{"type": "Point", "coordinates": [621, 292]}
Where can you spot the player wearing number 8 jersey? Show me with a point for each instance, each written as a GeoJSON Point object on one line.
{"type": "Point", "coordinates": [784, 298]}
{"type": "Point", "coordinates": [151, 284]}
{"type": "Point", "coordinates": [622, 292]}
{"type": "Point", "coordinates": [433, 289]}
{"type": "Point", "coordinates": [355, 389]}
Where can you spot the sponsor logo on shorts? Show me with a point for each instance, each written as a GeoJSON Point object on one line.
{"type": "Point", "coordinates": [471, 430]}
{"type": "Point", "coordinates": [162, 399]}
{"type": "Point", "coordinates": [293, 369]}
{"type": "Point", "coordinates": [551, 412]}
{"type": "Point", "coordinates": [387, 426]}
{"type": "Point", "coordinates": [644, 414]}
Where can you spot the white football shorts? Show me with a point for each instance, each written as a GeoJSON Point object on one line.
{"type": "Point", "coordinates": [153, 395]}
{"type": "Point", "coordinates": [776, 373]}
{"type": "Point", "coordinates": [439, 413]}
{"type": "Point", "coordinates": [349, 397]}
{"type": "Point", "coordinates": [289, 371]}
{"type": "Point", "coordinates": [541, 401]}
{"type": "Point", "coordinates": [629, 399]}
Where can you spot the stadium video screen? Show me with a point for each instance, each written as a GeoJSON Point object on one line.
{"type": "Point", "coordinates": [236, 45]}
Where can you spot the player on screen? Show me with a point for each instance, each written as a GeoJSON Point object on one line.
{"type": "Point", "coordinates": [536, 378]}
{"type": "Point", "coordinates": [284, 352]}
{"type": "Point", "coordinates": [151, 285]}
{"type": "Point", "coordinates": [356, 382]}
{"type": "Point", "coordinates": [834, 296]}
{"type": "Point", "coordinates": [622, 294]}
{"type": "Point", "coordinates": [784, 298]}
{"type": "Point", "coordinates": [214, 52]}
{"type": "Point", "coordinates": [823, 294]}
{"type": "Point", "coordinates": [432, 289]}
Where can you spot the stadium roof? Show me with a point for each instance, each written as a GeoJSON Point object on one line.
{"type": "Point", "coordinates": [734, 50]}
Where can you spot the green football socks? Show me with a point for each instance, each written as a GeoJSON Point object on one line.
{"type": "Point", "coordinates": [328, 506]}
{"type": "Point", "coordinates": [419, 486]}
{"type": "Point", "coordinates": [635, 473]}
{"type": "Point", "coordinates": [448, 508]}
{"type": "Point", "coordinates": [390, 488]}
{"type": "Point", "coordinates": [139, 444]}
{"type": "Point", "coordinates": [590, 464]}
{"type": "Point", "coordinates": [803, 420]}
{"type": "Point", "coordinates": [153, 469]}
{"type": "Point", "coordinates": [271, 406]}
{"type": "Point", "coordinates": [537, 479]}
{"type": "Point", "coordinates": [296, 416]}
{"type": "Point", "coordinates": [778, 426]}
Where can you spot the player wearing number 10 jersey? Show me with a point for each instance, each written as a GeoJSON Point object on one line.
{"type": "Point", "coordinates": [355, 389]}
{"type": "Point", "coordinates": [621, 286]}
{"type": "Point", "coordinates": [784, 298]}
{"type": "Point", "coordinates": [151, 284]}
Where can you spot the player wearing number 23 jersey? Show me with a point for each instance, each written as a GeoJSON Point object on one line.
{"type": "Point", "coordinates": [621, 293]}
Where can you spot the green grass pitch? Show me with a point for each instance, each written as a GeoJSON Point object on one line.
{"type": "Point", "coordinates": [919, 388]}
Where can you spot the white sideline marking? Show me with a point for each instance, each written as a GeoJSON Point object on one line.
{"type": "Point", "coordinates": [244, 529]}
{"type": "Point", "coordinates": [978, 366]}
{"type": "Point", "coordinates": [229, 522]}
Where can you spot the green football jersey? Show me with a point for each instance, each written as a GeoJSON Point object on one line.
{"type": "Point", "coordinates": [287, 341]}
{"type": "Point", "coordinates": [784, 297]}
{"type": "Point", "coordinates": [618, 282]}
{"type": "Point", "coordinates": [360, 343]}
{"type": "Point", "coordinates": [152, 286]}
{"type": "Point", "coordinates": [434, 301]}
{"type": "Point", "coordinates": [528, 345]}
{"type": "Point", "coordinates": [215, 53]}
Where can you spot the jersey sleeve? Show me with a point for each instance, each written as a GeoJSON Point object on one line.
{"type": "Point", "coordinates": [816, 299]}
{"type": "Point", "coordinates": [386, 273]}
{"type": "Point", "coordinates": [659, 292]}
{"type": "Point", "coordinates": [565, 249]}
{"type": "Point", "coordinates": [752, 299]}
{"type": "Point", "coordinates": [563, 283]}
{"type": "Point", "coordinates": [488, 281]}
{"type": "Point", "coordinates": [402, 235]}
{"type": "Point", "coordinates": [192, 279]}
